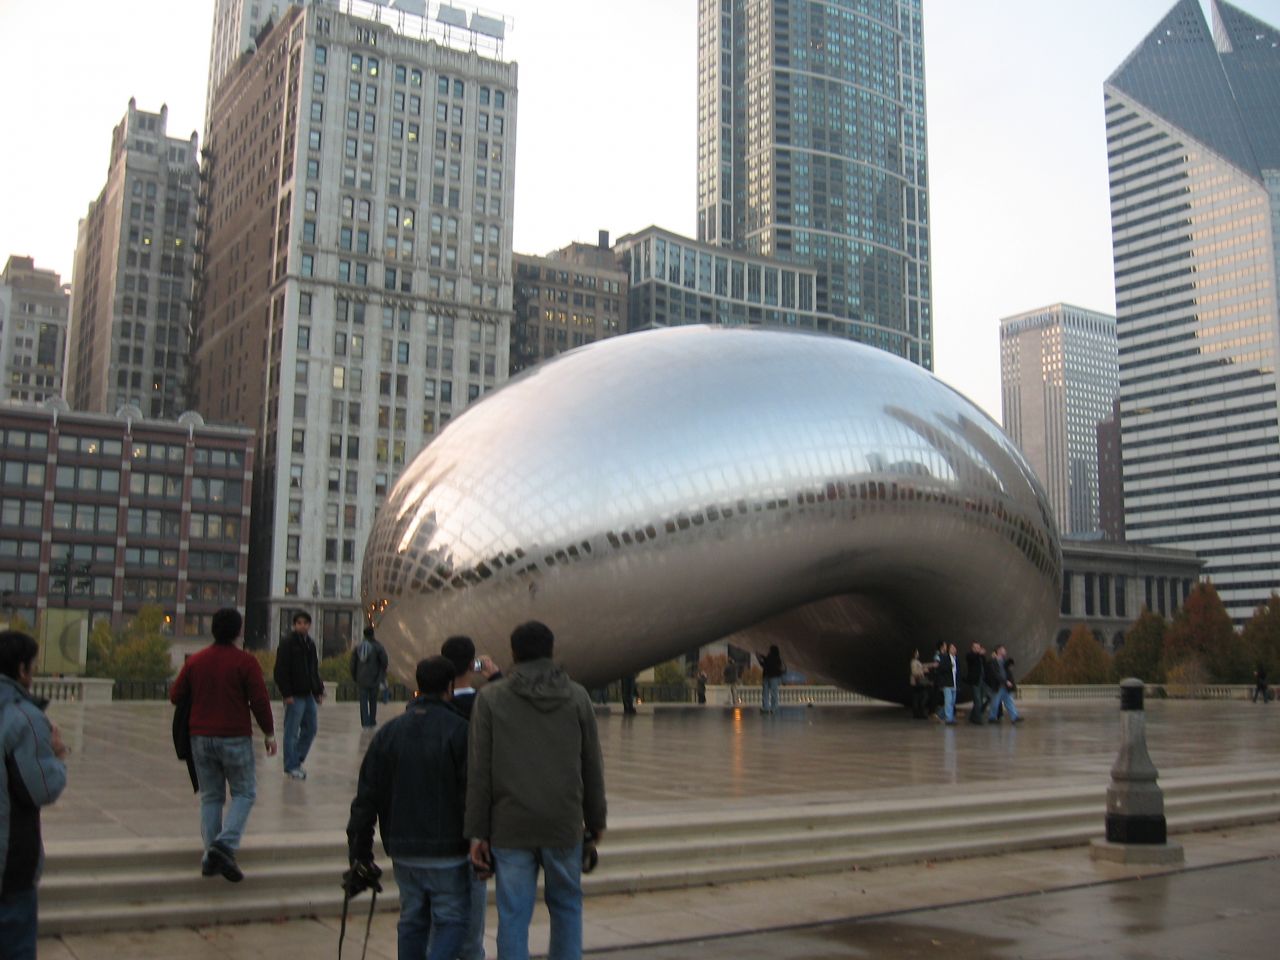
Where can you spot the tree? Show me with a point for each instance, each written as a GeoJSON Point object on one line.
{"type": "Point", "coordinates": [669, 674]}
{"type": "Point", "coordinates": [1261, 637]}
{"type": "Point", "coordinates": [1143, 650]}
{"type": "Point", "coordinates": [1046, 671]}
{"type": "Point", "coordinates": [1202, 630]}
{"type": "Point", "coordinates": [139, 652]}
{"type": "Point", "coordinates": [1083, 659]}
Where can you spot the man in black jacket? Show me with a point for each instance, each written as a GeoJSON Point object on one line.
{"type": "Point", "coordinates": [413, 784]}
{"type": "Point", "coordinates": [297, 677]}
{"type": "Point", "coordinates": [975, 677]}
{"type": "Point", "coordinates": [369, 673]}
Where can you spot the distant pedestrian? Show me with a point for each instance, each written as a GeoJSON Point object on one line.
{"type": "Point", "coordinates": [412, 784]}
{"type": "Point", "coordinates": [472, 671]}
{"type": "Point", "coordinates": [1003, 699]}
{"type": "Point", "coordinates": [32, 776]}
{"type": "Point", "coordinates": [935, 681]}
{"type": "Point", "coordinates": [919, 686]}
{"type": "Point", "coordinates": [535, 780]}
{"type": "Point", "coordinates": [1260, 683]}
{"type": "Point", "coordinates": [629, 693]}
{"type": "Point", "coordinates": [702, 687]}
{"type": "Point", "coordinates": [975, 679]}
{"type": "Point", "coordinates": [225, 687]}
{"type": "Point", "coordinates": [948, 671]}
{"type": "Point", "coordinates": [297, 677]}
{"type": "Point", "coordinates": [369, 671]}
{"type": "Point", "coordinates": [731, 680]}
{"type": "Point", "coordinates": [772, 668]}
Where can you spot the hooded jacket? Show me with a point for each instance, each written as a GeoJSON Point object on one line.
{"type": "Point", "coordinates": [535, 776]}
{"type": "Point", "coordinates": [32, 777]}
{"type": "Point", "coordinates": [368, 663]}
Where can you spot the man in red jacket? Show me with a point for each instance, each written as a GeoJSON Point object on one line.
{"type": "Point", "coordinates": [224, 684]}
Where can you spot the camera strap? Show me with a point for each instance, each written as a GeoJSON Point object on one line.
{"type": "Point", "coordinates": [368, 926]}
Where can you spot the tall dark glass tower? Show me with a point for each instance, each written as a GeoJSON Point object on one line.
{"type": "Point", "coordinates": [1193, 142]}
{"type": "Point", "coordinates": [812, 149]}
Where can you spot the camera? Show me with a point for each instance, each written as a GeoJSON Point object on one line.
{"type": "Point", "coordinates": [477, 664]}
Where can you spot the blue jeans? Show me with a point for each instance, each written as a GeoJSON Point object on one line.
{"type": "Point", "coordinates": [949, 704]}
{"type": "Point", "coordinates": [299, 731]}
{"type": "Point", "coordinates": [1002, 696]}
{"type": "Point", "coordinates": [368, 706]}
{"type": "Point", "coordinates": [223, 762]}
{"type": "Point", "coordinates": [769, 694]}
{"type": "Point", "coordinates": [516, 878]}
{"type": "Point", "coordinates": [18, 925]}
{"type": "Point", "coordinates": [433, 900]}
{"type": "Point", "coordinates": [473, 945]}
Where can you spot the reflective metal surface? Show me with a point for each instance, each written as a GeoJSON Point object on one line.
{"type": "Point", "coordinates": [654, 492]}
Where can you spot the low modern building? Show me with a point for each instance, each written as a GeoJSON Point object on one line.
{"type": "Point", "coordinates": [570, 297]}
{"type": "Point", "coordinates": [103, 514]}
{"type": "Point", "coordinates": [33, 331]}
{"type": "Point", "coordinates": [1106, 585]}
{"type": "Point", "coordinates": [676, 281]}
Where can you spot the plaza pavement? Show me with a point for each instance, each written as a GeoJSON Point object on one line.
{"type": "Point", "coordinates": [124, 782]}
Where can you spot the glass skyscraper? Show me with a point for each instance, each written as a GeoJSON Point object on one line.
{"type": "Point", "coordinates": [812, 150]}
{"type": "Point", "coordinates": [1193, 140]}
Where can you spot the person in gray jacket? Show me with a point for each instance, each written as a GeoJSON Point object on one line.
{"type": "Point", "coordinates": [369, 671]}
{"type": "Point", "coordinates": [32, 776]}
{"type": "Point", "coordinates": [535, 780]}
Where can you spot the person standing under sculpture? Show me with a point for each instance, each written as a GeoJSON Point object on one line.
{"type": "Point", "coordinates": [1260, 683]}
{"type": "Point", "coordinates": [1003, 698]}
{"type": "Point", "coordinates": [227, 692]}
{"type": "Point", "coordinates": [949, 676]}
{"type": "Point", "coordinates": [297, 676]}
{"type": "Point", "coordinates": [32, 776]}
{"type": "Point", "coordinates": [369, 671]}
{"type": "Point", "coordinates": [731, 680]}
{"type": "Point", "coordinates": [919, 686]}
{"type": "Point", "coordinates": [975, 678]}
{"type": "Point", "coordinates": [535, 779]}
{"type": "Point", "coordinates": [772, 668]}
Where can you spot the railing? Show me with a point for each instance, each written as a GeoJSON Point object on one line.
{"type": "Point", "coordinates": [73, 689]}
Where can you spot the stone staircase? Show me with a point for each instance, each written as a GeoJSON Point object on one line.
{"type": "Point", "coordinates": [154, 883]}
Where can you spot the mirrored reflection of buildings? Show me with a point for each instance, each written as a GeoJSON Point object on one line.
{"type": "Point", "coordinates": [1193, 140]}
{"type": "Point", "coordinates": [570, 297]}
{"type": "Point", "coordinates": [131, 282]}
{"type": "Point", "coordinates": [1106, 585]}
{"type": "Point", "coordinates": [812, 150]}
{"type": "Point", "coordinates": [33, 331]}
{"type": "Point", "coordinates": [103, 514]}
{"type": "Point", "coordinates": [354, 289]}
{"type": "Point", "coordinates": [1058, 382]}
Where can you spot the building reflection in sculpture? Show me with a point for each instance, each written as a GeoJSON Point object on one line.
{"type": "Point", "coordinates": [651, 493]}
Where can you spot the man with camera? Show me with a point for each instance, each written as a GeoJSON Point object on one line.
{"type": "Point", "coordinates": [413, 784]}
{"type": "Point", "coordinates": [535, 780]}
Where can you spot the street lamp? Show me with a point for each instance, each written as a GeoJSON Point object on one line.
{"type": "Point", "coordinates": [68, 575]}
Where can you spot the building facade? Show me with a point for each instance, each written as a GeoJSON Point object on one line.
{"type": "Point", "coordinates": [675, 281]}
{"type": "Point", "coordinates": [236, 25]}
{"type": "Point", "coordinates": [131, 282]}
{"type": "Point", "coordinates": [354, 290]}
{"type": "Point", "coordinates": [33, 331]}
{"type": "Point", "coordinates": [1110, 477]}
{"type": "Point", "coordinates": [103, 514]}
{"type": "Point", "coordinates": [1105, 586]}
{"type": "Point", "coordinates": [812, 149]}
{"type": "Point", "coordinates": [1193, 139]}
{"type": "Point", "coordinates": [1057, 383]}
{"type": "Point", "coordinates": [568, 298]}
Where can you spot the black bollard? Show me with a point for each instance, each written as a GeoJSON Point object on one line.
{"type": "Point", "coordinates": [1136, 831]}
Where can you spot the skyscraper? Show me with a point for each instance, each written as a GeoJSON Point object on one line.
{"type": "Point", "coordinates": [1193, 140]}
{"type": "Point", "coordinates": [354, 284]}
{"type": "Point", "coordinates": [33, 331]}
{"type": "Point", "coordinates": [131, 281]}
{"type": "Point", "coordinates": [1057, 383]}
{"type": "Point", "coordinates": [236, 24]}
{"type": "Point", "coordinates": [812, 150]}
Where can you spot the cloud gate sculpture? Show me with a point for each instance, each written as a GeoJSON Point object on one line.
{"type": "Point", "coordinates": [650, 493]}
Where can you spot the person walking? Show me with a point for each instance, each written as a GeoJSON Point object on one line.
{"type": "Point", "coordinates": [1260, 683]}
{"type": "Point", "coordinates": [225, 687]}
{"type": "Point", "coordinates": [948, 677]}
{"type": "Point", "coordinates": [628, 684]}
{"type": "Point", "coordinates": [32, 776]}
{"type": "Point", "coordinates": [471, 670]}
{"type": "Point", "coordinates": [535, 780]}
{"type": "Point", "coordinates": [731, 680]}
{"type": "Point", "coordinates": [1003, 698]}
{"type": "Point", "coordinates": [702, 688]}
{"type": "Point", "coordinates": [919, 686]}
{"type": "Point", "coordinates": [975, 678]}
{"type": "Point", "coordinates": [412, 785]}
{"type": "Point", "coordinates": [369, 671]}
{"type": "Point", "coordinates": [772, 668]}
{"type": "Point", "coordinates": [297, 676]}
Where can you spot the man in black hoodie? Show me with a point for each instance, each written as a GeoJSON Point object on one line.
{"type": "Point", "coordinates": [413, 784]}
{"type": "Point", "coordinates": [297, 676]}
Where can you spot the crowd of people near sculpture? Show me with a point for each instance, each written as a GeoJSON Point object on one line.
{"type": "Point", "coordinates": [986, 677]}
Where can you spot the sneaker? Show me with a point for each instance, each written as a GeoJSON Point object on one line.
{"type": "Point", "coordinates": [224, 862]}
{"type": "Point", "coordinates": [296, 774]}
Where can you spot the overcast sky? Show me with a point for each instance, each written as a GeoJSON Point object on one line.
{"type": "Point", "coordinates": [607, 134]}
